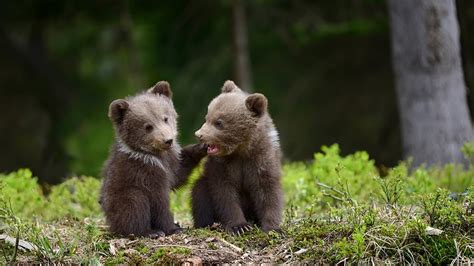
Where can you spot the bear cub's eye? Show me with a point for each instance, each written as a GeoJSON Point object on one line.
{"type": "Point", "coordinates": [218, 124]}
{"type": "Point", "coordinates": [148, 128]}
{"type": "Point", "coordinates": [165, 119]}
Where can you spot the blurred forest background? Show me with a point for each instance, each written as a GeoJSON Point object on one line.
{"type": "Point", "coordinates": [324, 65]}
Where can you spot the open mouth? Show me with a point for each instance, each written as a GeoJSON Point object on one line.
{"type": "Point", "coordinates": [212, 149]}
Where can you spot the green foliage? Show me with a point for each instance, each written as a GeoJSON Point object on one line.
{"type": "Point", "coordinates": [21, 190]}
{"type": "Point", "coordinates": [76, 197]}
{"type": "Point", "coordinates": [329, 179]}
{"type": "Point", "coordinates": [392, 189]}
{"type": "Point", "coordinates": [356, 170]}
{"type": "Point", "coordinates": [338, 209]}
{"type": "Point", "coordinates": [442, 211]}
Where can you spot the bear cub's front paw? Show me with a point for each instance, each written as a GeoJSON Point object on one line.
{"type": "Point", "coordinates": [200, 150]}
{"type": "Point", "coordinates": [195, 151]}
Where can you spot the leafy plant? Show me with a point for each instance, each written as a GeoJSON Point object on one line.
{"type": "Point", "coordinates": [392, 189]}
{"type": "Point", "coordinates": [76, 198]}
{"type": "Point", "coordinates": [22, 191]}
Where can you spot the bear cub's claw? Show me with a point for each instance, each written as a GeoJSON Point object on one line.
{"type": "Point", "coordinates": [240, 229]}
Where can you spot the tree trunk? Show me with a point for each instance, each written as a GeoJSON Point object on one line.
{"type": "Point", "coordinates": [242, 73]}
{"type": "Point", "coordinates": [429, 80]}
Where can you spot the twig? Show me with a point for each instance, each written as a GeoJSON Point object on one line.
{"type": "Point", "coordinates": [331, 188]}
{"type": "Point", "coordinates": [171, 246]}
{"type": "Point", "coordinates": [458, 254]}
{"type": "Point", "coordinates": [234, 247]}
{"type": "Point", "coordinates": [332, 196]}
{"type": "Point", "coordinates": [132, 242]}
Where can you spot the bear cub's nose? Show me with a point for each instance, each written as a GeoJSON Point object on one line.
{"type": "Point", "coordinates": [198, 135]}
{"type": "Point", "coordinates": [169, 142]}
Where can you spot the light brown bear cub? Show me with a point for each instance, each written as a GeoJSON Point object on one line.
{"type": "Point", "coordinates": [145, 164]}
{"type": "Point", "coordinates": [241, 179]}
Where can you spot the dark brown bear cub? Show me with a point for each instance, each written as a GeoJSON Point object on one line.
{"type": "Point", "coordinates": [145, 164]}
{"type": "Point", "coordinates": [241, 179]}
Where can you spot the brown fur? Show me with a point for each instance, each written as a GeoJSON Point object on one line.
{"type": "Point", "coordinates": [145, 164]}
{"type": "Point", "coordinates": [240, 183]}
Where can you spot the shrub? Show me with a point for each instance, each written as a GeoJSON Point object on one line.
{"type": "Point", "coordinates": [76, 197]}
{"type": "Point", "coordinates": [21, 190]}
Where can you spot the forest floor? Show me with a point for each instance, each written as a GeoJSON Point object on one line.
{"type": "Point", "coordinates": [396, 239]}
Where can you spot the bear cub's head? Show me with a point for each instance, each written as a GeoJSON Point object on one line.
{"type": "Point", "coordinates": [232, 119]}
{"type": "Point", "coordinates": [147, 122]}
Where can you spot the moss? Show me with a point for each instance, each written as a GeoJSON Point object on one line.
{"type": "Point", "coordinates": [168, 255]}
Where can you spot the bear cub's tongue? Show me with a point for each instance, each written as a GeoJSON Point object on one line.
{"type": "Point", "coordinates": [212, 149]}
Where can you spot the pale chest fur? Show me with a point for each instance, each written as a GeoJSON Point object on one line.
{"type": "Point", "coordinates": [145, 170]}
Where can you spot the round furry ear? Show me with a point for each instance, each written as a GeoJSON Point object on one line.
{"type": "Point", "coordinates": [257, 103]}
{"type": "Point", "coordinates": [229, 86]}
{"type": "Point", "coordinates": [162, 88]}
{"type": "Point", "coordinates": [117, 110]}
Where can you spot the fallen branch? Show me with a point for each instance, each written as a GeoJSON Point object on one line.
{"type": "Point", "coordinates": [22, 244]}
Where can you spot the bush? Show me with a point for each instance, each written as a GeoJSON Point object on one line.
{"type": "Point", "coordinates": [76, 197]}
{"type": "Point", "coordinates": [21, 190]}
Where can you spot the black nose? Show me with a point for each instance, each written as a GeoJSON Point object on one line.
{"type": "Point", "coordinates": [169, 142]}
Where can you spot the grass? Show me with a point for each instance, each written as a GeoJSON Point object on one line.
{"type": "Point", "coordinates": [339, 209]}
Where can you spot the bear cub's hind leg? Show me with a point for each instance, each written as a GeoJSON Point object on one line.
{"type": "Point", "coordinates": [131, 215]}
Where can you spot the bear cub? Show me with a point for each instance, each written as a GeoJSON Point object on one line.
{"type": "Point", "coordinates": [145, 163]}
{"type": "Point", "coordinates": [240, 183]}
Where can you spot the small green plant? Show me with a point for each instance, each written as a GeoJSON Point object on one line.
{"type": "Point", "coordinates": [11, 225]}
{"type": "Point", "coordinates": [10, 253]}
{"type": "Point", "coordinates": [441, 210]}
{"type": "Point", "coordinates": [392, 189]}
{"type": "Point", "coordinates": [52, 247]}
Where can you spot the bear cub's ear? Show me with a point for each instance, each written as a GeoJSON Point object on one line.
{"type": "Point", "coordinates": [117, 110]}
{"type": "Point", "coordinates": [229, 86]}
{"type": "Point", "coordinates": [257, 103]}
{"type": "Point", "coordinates": [162, 88]}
